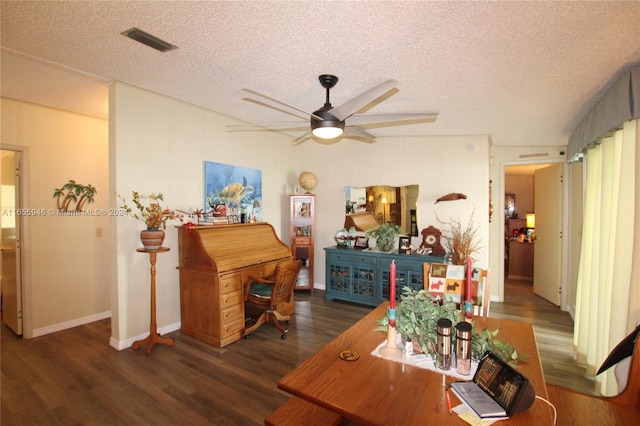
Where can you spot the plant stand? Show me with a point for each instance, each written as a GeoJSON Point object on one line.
{"type": "Point", "coordinates": [153, 336]}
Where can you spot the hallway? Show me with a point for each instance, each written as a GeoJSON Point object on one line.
{"type": "Point", "coordinates": [521, 291]}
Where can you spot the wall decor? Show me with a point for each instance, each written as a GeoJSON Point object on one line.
{"type": "Point", "coordinates": [238, 188]}
{"type": "Point", "coordinates": [73, 196]}
{"type": "Point", "coordinates": [509, 205]}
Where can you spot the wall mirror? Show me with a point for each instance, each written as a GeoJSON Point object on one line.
{"type": "Point", "coordinates": [374, 205]}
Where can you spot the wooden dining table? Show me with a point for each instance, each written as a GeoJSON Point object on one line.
{"type": "Point", "coordinates": [372, 390]}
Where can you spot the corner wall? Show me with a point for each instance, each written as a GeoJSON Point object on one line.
{"type": "Point", "coordinates": [66, 266]}
{"type": "Point", "coordinates": [160, 144]}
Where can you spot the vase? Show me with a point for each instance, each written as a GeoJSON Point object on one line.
{"type": "Point", "coordinates": [152, 239]}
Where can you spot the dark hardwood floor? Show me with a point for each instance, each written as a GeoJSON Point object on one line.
{"type": "Point", "coordinates": [75, 377]}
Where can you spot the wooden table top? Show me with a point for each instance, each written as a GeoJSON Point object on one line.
{"type": "Point", "coordinates": [376, 391]}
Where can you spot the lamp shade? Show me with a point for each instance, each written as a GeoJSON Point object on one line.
{"type": "Point", "coordinates": [531, 220]}
{"type": "Point", "coordinates": [327, 132]}
{"type": "Point", "coordinates": [391, 195]}
{"type": "Point", "coordinates": [327, 128]}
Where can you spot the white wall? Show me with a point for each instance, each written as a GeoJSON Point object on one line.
{"type": "Point", "coordinates": [439, 165]}
{"type": "Point", "coordinates": [66, 267]}
{"type": "Point", "coordinates": [159, 144]}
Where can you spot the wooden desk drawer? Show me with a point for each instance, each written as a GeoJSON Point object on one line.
{"type": "Point", "coordinates": [230, 299]}
{"type": "Point", "coordinates": [232, 314]}
{"type": "Point", "coordinates": [232, 327]}
{"type": "Point", "coordinates": [231, 283]}
{"type": "Point", "coordinates": [303, 241]}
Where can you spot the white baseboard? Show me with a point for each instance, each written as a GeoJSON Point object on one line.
{"type": "Point", "coordinates": [124, 344]}
{"type": "Point", "coordinates": [70, 324]}
{"type": "Point", "coordinates": [572, 311]}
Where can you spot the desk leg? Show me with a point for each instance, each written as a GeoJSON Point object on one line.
{"type": "Point", "coordinates": [153, 336]}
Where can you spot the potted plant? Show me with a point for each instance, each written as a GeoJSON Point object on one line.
{"type": "Point", "coordinates": [154, 213]}
{"type": "Point", "coordinates": [385, 235]}
{"type": "Point", "coordinates": [417, 314]}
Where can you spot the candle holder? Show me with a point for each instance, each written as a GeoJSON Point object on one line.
{"type": "Point", "coordinates": [468, 311]}
{"type": "Point", "coordinates": [391, 349]}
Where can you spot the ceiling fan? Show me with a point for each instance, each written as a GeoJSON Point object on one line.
{"type": "Point", "coordinates": [329, 123]}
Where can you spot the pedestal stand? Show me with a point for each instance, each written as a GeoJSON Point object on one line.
{"type": "Point", "coordinates": [153, 336]}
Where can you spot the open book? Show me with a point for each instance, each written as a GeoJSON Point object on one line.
{"type": "Point", "coordinates": [477, 400]}
{"type": "Point", "coordinates": [497, 390]}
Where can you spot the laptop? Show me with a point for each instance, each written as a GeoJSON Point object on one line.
{"type": "Point", "coordinates": [497, 390]}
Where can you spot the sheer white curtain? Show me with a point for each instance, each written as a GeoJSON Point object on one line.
{"type": "Point", "coordinates": [607, 296]}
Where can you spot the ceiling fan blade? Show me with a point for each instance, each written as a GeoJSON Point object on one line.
{"type": "Point", "coordinates": [275, 108]}
{"type": "Point", "coordinates": [301, 139]}
{"type": "Point", "coordinates": [361, 135]}
{"type": "Point", "coordinates": [360, 119]}
{"type": "Point", "coordinates": [307, 114]}
{"type": "Point", "coordinates": [354, 105]}
{"type": "Point", "coordinates": [268, 126]}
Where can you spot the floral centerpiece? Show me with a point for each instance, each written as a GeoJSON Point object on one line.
{"type": "Point", "coordinates": [154, 213]}
{"type": "Point", "coordinates": [417, 315]}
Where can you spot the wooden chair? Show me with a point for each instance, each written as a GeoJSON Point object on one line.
{"type": "Point", "coordinates": [271, 299]}
{"type": "Point", "coordinates": [436, 282]}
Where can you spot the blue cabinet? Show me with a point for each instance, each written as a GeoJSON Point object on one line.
{"type": "Point", "coordinates": [362, 276]}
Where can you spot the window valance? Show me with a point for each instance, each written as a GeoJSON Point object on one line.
{"type": "Point", "coordinates": [619, 104]}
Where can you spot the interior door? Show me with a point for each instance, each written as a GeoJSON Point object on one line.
{"type": "Point", "coordinates": [548, 244]}
{"type": "Point", "coordinates": [10, 269]}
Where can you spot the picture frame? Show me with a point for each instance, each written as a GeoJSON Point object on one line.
{"type": "Point", "coordinates": [224, 183]}
{"type": "Point", "coordinates": [361, 243]}
{"type": "Point", "coordinates": [303, 209]}
{"type": "Point", "coordinates": [403, 244]}
{"type": "Point", "coordinates": [509, 205]}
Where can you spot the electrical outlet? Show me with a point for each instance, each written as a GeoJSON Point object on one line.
{"type": "Point", "coordinates": [98, 232]}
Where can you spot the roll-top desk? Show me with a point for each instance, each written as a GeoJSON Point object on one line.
{"type": "Point", "coordinates": [362, 276]}
{"type": "Point", "coordinates": [214, 262]}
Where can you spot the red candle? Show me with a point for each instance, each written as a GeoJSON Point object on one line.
{"type": "Point", "coordinates": [469, 279]}
{"type": "Point", "coordinates": [392, 285]}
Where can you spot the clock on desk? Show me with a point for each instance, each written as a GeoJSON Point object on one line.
{"type": "Point", "coordinates": [431, 240]}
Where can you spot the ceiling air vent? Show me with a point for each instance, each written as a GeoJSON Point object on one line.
{"type": "Point", "coordinates": [146, 38]}
{"type": "Point", "coordinates": [540, 155]}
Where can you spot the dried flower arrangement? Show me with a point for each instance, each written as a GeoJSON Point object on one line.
{"type": "Point", "coordinates": [151, 210]}
{"type": "Point", "coordinates": [461, 242]}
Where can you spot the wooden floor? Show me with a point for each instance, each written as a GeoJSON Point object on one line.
{"type": "Point", "coordinates": [75, 377]}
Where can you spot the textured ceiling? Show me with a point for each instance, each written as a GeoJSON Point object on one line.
{"type": "Point", "coordinates": [524, 73]}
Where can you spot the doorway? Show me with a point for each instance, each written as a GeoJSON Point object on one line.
{"type": "Point", "coordinates": [520, 234]}
{"type": "Point", "coordinates": [11, 277]}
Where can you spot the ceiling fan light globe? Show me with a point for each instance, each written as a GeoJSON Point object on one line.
{"type": "Point", "coordinates": [328, 132]}
{"type": "Point", "coordinates": [329, 127]}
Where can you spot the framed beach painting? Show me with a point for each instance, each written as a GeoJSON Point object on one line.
{"type": "Point", "coordinates": [238, 188]}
